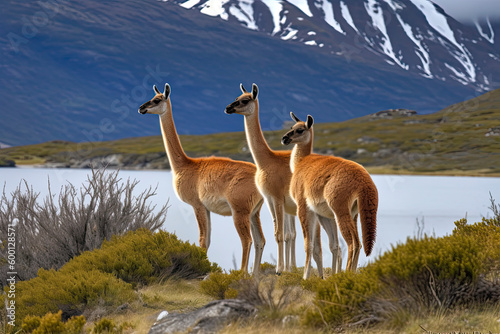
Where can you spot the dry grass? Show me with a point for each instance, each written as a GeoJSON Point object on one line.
{"type": "Point", "coordinates": [462, 321]}
{"type": "Point", "coordinates": [174, 296]}
{"type": "Point", "coordinates": [465, 321]}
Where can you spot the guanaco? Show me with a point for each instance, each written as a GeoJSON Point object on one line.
{"type": "Point", "coordinates": [212, 184]}
{"type": "Point", "coordinates": [331, 189]}
{"type": "Point", "coordinates": [272, 178]}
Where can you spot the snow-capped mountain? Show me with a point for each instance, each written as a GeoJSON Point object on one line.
{"type": "Point", "coordinates": [412, 35]}
{"type": "Point", "coordinates": [78, 71]}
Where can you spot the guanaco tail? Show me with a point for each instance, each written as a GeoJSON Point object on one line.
{"type": "Point", "coordinates": [331, 189]}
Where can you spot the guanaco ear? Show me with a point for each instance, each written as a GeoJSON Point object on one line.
{"type": "Point", "coordinates": [255, 91]}
{"type": "Point", "coordinates": [157, 91]}
{"type": "Point", "coordinates": [243, 90]}
{"type": "Point", "coordinates": [166, 93]}
{"type": "Point", "coordinates": [309, 122]}
{"type": "Point", "coordinates": [295, 118]}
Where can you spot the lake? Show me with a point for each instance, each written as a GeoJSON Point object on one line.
{"type": "Point", "coordinates": [437, 201]}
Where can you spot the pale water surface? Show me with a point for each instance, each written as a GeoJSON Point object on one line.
{"type": "Point", "coordinates": [438, 201]}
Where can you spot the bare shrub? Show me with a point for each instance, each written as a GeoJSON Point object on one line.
{"type": "Point", "coordinates": [495, 209]}
{"type": "Point", "coordinates": [52, 231]}
{"type": "Point", "coordinates": [262, 291]}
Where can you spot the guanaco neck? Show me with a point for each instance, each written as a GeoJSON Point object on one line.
{"type": "Point", "coordinates": [300, 151]}
{"type": "Point", "coordinates": [261, 152]}
{"type": "Point", "coordinates": [176, 155]}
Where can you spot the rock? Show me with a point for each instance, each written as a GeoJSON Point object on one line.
{"type": "Point", "coordinates": [493, 131]}
{"type": "Point", "coordinates": [162, 315]}
{"type": "Point", "coordinates": [290, 320]}
{"type": "Point", "coordinates": [7, 163]}
{"type": "Point", "coordinates": [208, 319]}
{"type": "Point", "coordinates": [122, 307]}
{"type": "Point", "coordinates": [361, 151]}
{"type": "Point", "coordinates": [367, 140]}
{"type": "Point", "coordinates": [390, 113]}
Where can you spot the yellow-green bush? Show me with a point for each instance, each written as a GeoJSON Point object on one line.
{"type": "Point", "coordinates": [52, 323]}
{"type": "Point", "coordinates": [294, 278]}
{"type": "Point", "coordinates": [341, 296]}
{"type": "Point", "coordinates": [106, 276]}
{"type": "Point", "coordinates": [220, 285]}
{"type": "Point", "coordinates": [143, 257]}
{"type": "Point", "coordinates": [70, 291]}
{"type": "Point", "coordinates": [108, 326]}
{"type": "Point", "coordinates": [488, 232]}
{"type": "Point", "coordinates": [105, 325]}
{"type": "Point", "coordinates": [419, 276]}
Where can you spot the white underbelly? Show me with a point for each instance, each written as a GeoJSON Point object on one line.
{"type": "Point", "coordinates": [218, 205]}
{"type": "Point", "coordinates": [321, 209]}
{"type": "Point", "coordinates": [290, 206]}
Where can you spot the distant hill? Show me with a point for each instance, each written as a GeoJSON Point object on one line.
{"type": "Point", "coordinates": [462, 139]}
{"type": "Point", "coordinates": [77, 71]}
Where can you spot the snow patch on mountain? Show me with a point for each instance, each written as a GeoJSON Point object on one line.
{"type": "Point", "coordinates": [215, 8]}
{"type": "Point", "coordinates": [190, 4]}
{"type": "Point", "coordinates": [489, 36]}
{"type": "Point", "coordinates": [289, 33]}
{"type": "Point", "coordinates": [375, 11]}
{"type": "Point", "coordinates": [347, 15]}
{"type": "Point", "coordinates": [394, 5]}
{"type": "Point", "coordinates": [326, 7]}
{"type": "Point", "coordinates": [303, 5]}
{"type": "Point", "coordinates": [420, 51]}
{"type": "Point", "coordinates": [243, 11]}
{"type": "Point", "coordinates": [275, 8]}
{"type": "Point", "coordinates": [439, 22]}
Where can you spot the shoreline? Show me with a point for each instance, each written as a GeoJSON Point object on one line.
{"type": "Point", "coordinates": [374, 170]}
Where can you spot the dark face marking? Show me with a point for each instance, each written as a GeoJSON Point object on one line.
{"type": "Point", "coordinates": [288, 137]}
{"type": "Point", "coordinates": [154, 102]}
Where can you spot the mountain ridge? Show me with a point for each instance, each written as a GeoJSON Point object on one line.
{"type": "Point", "coordinates": [377, 26]}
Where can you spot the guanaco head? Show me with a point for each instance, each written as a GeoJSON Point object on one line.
{"type": "Point", "coordinates": [157, 103]}
{"type": "Point", "coordinates": [301, 132]}
{"type": "Point", "coordinates": [245, 103]}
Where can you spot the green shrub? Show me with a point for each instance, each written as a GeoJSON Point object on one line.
{"type": "Point", "coordinates": [452, 257]}
{"type": "Point", "coordinates": [341, 296]}
{"type": "Point", "coordinates": [219, 285]}
{"type": "Point", "coordinates": [294, 278]}
{"type": "Point", "coordinates": [143, 257]}
{"type": "Point", "coordinates": [487, 233]}
{"type": "Point", "coordinates": [52, 323]}
{"type": "Point", "coordinates": [105, 326]}
{"type": "Point", "coordinates": [423, 275]}
{"type": "Point", "coordinates": [267, 268]}
{"type": "Point", "coordinates": [70, 291]}
{"type": "Point", "coordinates": [106, 276]}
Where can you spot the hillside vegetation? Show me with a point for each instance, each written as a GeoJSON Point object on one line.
{"type": "Point", "coordinates": [463, 139]}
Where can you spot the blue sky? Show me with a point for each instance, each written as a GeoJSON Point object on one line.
{"type": "Point", "coordinates": [470, 10]}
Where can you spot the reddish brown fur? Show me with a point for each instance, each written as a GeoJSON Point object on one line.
{"type": "Point", "coordinates": [272, 178]}
{"type": "Point", "coordinates": [334, 188]}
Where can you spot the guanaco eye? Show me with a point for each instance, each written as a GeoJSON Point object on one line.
{"type": "Point", "coordinates": [245, 101]}
{"type": "Point", "coordinates": [300, 131]}
{"type": "Point", "coordinates": [156, 101]}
